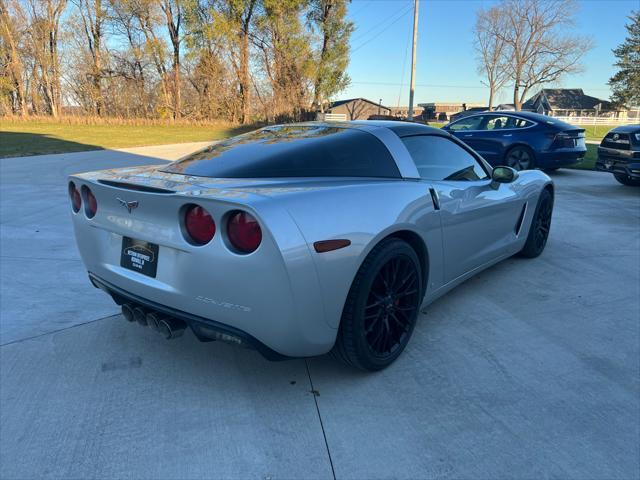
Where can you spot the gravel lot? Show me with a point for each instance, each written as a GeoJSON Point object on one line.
{"type": "Point", "coordinates": [529, 370]}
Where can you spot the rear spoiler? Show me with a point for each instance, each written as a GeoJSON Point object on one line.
{"type": "Point", "coordinates": [574, 132]}
{"type": "Point", "coordinates": [135, 186]}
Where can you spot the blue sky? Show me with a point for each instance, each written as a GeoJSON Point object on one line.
{"type": "Point", "coordinates": [446, 65]}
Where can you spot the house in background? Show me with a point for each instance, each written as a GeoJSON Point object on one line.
{"type": "Point", "coordinates": [442, 111]}
{"type": "Point", "coordinates": [358, 108]}
{"type": "Point", "coordinates": [570, 102]}
{"type": "Point", "coordinates": [402, 112]}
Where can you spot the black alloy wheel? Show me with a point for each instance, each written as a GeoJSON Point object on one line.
{"type": "Point", "coordinates": [391, 305]}
{"type": "Point", "coordinates": [543, 223]}
{"type": "Point", "coordinates": [382, 307]}
{"type": "Point", "coordinates": [540, 226]}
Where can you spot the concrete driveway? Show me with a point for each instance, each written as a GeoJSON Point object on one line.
{"type": "Point", "coordinates": [529, 370]}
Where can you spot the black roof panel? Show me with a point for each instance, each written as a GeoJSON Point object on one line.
{"type": "Point", "coordinates": [400, 128]}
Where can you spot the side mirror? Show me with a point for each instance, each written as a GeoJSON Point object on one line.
{"type": "Point", "coordinates": [503, 175]}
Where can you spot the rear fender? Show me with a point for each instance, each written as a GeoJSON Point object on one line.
{"type": "Point", "coordinates": [364, 216]}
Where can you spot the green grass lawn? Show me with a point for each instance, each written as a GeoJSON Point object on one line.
{"type": "Point", "coordinates": [596, 132]}
{"type": "Point", "coordinates": [22, 138]}
{"type": "Point", "coordinates": [589, 161]}
{"type": "Point", "coordinates": [41, 136]}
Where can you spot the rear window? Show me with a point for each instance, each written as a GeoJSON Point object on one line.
{"type": "Point", "coordinates": [292, 151]}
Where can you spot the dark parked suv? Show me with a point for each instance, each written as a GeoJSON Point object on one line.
{"type": "Point", "coordinates": [619, 153]}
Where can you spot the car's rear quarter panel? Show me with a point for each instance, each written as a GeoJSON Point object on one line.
{"type": "Point", "coordinates": [364, 213]}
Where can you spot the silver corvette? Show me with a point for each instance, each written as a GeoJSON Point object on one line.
{"type": "Point", "coordinates": [302, 239]}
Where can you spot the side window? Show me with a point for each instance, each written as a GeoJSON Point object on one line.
{"type": "Point", "coordinates": [520, 122]}
{"type": "Point", "coordinates": [439, 158]}
{"type": "Point", "coordinates": [469, 123]}
{"type": "Point", "coordinates": [498, 123]}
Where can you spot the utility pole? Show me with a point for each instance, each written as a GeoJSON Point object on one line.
{"type": "Point", "coordinates": [413, 60]}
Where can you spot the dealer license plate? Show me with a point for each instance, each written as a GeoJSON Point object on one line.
{"type": "Point", "coordinates": [139, 256]}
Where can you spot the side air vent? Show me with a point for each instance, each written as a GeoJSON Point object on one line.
{"type": "Point", "coordinates": [133, 186]}
{"type": "Point", "coordinates": [520, 219]}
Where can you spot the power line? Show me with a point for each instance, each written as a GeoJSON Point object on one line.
{"type": "Point", "coordinates": [404, 84]}
{"type": "Point", "coordinates": [362, 7]}
{"type": "Point", "coordinates": [381, 31]}
{"type": "Point", "coordinates": [370, 29]}
{"type": "Point", "coordinates": [432, 85]}
{"type": "Point", "coordinates": [404, 67]}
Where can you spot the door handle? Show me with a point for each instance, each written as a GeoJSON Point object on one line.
{"type": "Point", "coordinates": [507, 135]}
{"type": "Point", "coordinates": [434, 198]}
{"type": "Point", "coordinates": [469, 135]}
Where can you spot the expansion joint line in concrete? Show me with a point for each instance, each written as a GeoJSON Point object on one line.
{"type": "Point", "coordinates": [324, 434]}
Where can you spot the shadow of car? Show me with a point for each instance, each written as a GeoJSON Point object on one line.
{"type": "Point", "coordinates": [619, 153]}
{"type": "Point", "coordinates": [521, 140]}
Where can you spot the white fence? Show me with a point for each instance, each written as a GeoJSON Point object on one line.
{"type": "Point", "coordinates": [598, 120]}
{"type": "Point", "coordinates": [332, 117]}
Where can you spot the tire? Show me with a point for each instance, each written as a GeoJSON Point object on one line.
{"type": "Point", "coordinates": [540, 226]}
{"type": "Point", "coordinates": [627, 180]}
{"type": "Point", "coordinates": [377, 322]}
{"type": "Point", "coordinates": [520, 157]}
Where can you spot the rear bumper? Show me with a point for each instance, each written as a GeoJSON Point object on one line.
{"type": "Point", "coordinates": [272, 295]}
{"type": "Point", "coordinates": [554, 159]}
{"type": "Point", "coordinates": [203, 328]}
{"type": "Point", "coordinates": [620, 162]}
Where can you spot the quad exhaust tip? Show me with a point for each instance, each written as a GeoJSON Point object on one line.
{"type": "Point", "coordinates": [127, 312]}
{"type": "Point", "coordinates": [171, 327]}
{"type": "Point", "coordinates": [140, 315]}
{"type": "Point", "coordinates": [153, 319]}
{"type": "Point", "coordinates": [168, 327]}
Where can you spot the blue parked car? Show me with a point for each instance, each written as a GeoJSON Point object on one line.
{"type": "Point", "coordinates": [522, 140]}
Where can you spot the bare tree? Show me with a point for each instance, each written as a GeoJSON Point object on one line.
{"type": "Point", "coordinates": [9, 49]}
{"type": "Point", "coordinates": [329, 17]}
{"type": "Point", "coordinates": [356, 109]}
{"type": "Point", "coordinates": [149, 20]}
{"type": "Point", "coordinates": [492, 50]}
{"type": "Point", "coordinates": [130, 62]}
{"type": "Point", "coordinates": [45, 23]}
{"type": "Point", "coordinates": [203, 59]}
{"type": "Point", "coordinates": [172, 10]}
{"type": "Point", "coordinates": [538, 48]}
{"type": "Point", "coordinates": [93, 16]}
{"type": "Point", "coordinates": [288, 59]}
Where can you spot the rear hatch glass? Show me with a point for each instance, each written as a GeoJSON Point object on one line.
{"type": "Point", "coordinates": [292, 151]}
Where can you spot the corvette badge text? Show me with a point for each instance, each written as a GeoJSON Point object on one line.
{"type": "Point", "coordinates": [231, 306]}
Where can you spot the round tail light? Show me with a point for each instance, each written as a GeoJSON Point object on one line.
{"type": "Point", "coordinates": [244, 232]}
{"type": "Point", "coordinates": [199, 225]}
{"type": "Point", "coordinates": [74, 195]}
{"type": "Point", "coordinates": [91, 206]}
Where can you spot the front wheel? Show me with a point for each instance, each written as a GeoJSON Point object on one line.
{"type": "Point", "coordinates": [520, 158]}
{"type": "Point", "coordinates": [540, 226]}
{"type": "Point", "coordinates": [627, 180]}
{"type": "Point", "coordinates": [382, 307]}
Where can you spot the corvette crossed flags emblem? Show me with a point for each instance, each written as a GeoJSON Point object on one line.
{"type": "Point", "coordinates": [128, 205]}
